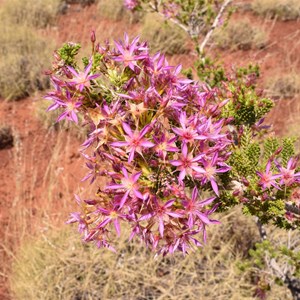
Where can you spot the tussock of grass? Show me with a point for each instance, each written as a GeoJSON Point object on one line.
{"type": "Point", "coordinates": [49, 120]}
{"type": "Point", "coordinates": [115, 10]}
{"type": "Point", "coordinates": [37, 13]}
{"type": "Point", "coordinates": [163, 36]}
{"type": "Point", "coordinates": [26, 56]}
{"type": "Point", "coordinates": [83, 3]}
{"type": "Point", "coordinates": [59, 266]}
{"type": "Point", "coordinates": [284, 86]}
{"type": "Point", "coordinates": [283, 9]}
{"type": "Point", "coordinates": [240, 35]}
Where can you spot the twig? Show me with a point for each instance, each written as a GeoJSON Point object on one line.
{"type": "Point", "coordinates": [292, 283]}
{"type": "Point", "coordinates": [292, 209]}
{"type": "Point", "coordinates": [214, 25]}
{"type": "Point", "coordinates": [155, 9]}
{"type": "Point", "coordinates": [261, 229]}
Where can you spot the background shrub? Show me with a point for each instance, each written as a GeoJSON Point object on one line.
{"type": "Point", "coordinates": [283, 9]}
{"type": "Point", "coordinates": [284, 86]}
{"type": "Point", "coordinates": [26, 56]}
{"type": "Point", "coordinates": [115, 10]}
{"type": "Point", "coordinates": [37, 13]}
{"type": "Point", "coordinates": [163, 36]}
{"type": "Point", "coordinates": [240, 35]}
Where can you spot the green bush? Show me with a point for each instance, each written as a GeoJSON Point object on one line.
{"type": "Point", "coordinates": [283, 9]}
{"type": "Point", "coordinates": [240, 35]}
{"type": "Point", "coordinates": [26, 56]}
{"type": "Point", "coordinates": [37, 13]}
{"type": "Point", "coordinates": [163, 36]}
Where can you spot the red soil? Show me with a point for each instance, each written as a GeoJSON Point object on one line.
{"type": "Point", "coordinates": [42, 171]}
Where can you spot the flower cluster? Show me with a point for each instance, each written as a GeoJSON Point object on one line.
{"type": "Point", "coordinates": [131, 4]}
{"type": "Point", "coordinates": [157, 140]}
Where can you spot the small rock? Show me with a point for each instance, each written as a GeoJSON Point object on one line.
{"type": "Point", "coordinates": [6, 138]}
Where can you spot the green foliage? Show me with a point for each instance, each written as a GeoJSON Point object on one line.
{"type": "Point", "coordinates": [271, 145]}
{"type": "Point", "coordinates": [281, 252]}
{"type": "Point", "coordinates": [68, 52]}
{"type": "Point", "coordinates": [288, 149]}
{"type": "Point", "coordinates": [214, 73]}
{"type": "Point", "coordinates": [210, 71]}
{"type": "Point", "coordinates": [245, 106]}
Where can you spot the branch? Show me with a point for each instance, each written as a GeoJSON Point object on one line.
{"type": "Point", "coordinates": [214, 25]}
{"type": "Point", "coordinates": [261, 229]}
{"type": "Point", "coordinates": [292, 209]}
{"type": "Point", "coordinates": [292, 283]}
{"type": "Point", "coordinates": [155, 9]}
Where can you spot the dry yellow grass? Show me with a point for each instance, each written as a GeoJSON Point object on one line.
{"type": "Point", "coordinates": [26, 56]}
{"type": "Point", "coordinates": [37, 13]}
{"type": "Point", "coordinates": [284, 86]}
{"type": "Point", "coordinates": [58, 266]}
{"type": "Point", "coordinates": [240, 35]}
{"type": "Point", "coordinates": [283, 9]}
{"type": "Point", "coordinates": [114, 10]}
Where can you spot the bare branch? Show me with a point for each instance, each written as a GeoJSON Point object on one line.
{"type": "Point", "coordinates": [292, 209]}
{"type": "Point", "coordinates": [155, 8]}
{"type": "Point", "coordinates": [214, 25]}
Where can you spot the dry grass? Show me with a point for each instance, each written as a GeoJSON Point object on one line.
{"type": "Point", "coordinates": [40, 189]}
{"type": "Point", "coordinates": [59, 266]}
{"type": "Point", "coordinates": [163, 36]}
{"type": "Point", "coordinates": [284, 86]}
{"type": "Point", "coordinates": [37, 13]}
{"type": "Point", "coordinates": [283, 9]}
{"type": "Point", "coordinates": [240, 35]}
{"type": "Point", "coordinates": [26, 56]}
{"type": "Point", "coordinates": [114, 10]}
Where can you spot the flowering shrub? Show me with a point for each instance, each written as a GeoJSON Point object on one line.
{"type": "Point", "coordinates": [165, 152]}
{"type": "Point", "coordinates": [195, 17]}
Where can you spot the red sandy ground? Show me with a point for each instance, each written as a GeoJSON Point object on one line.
{"type": "Point", "coordinates": [45, 164]}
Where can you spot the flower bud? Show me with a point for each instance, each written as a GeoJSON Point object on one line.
{"type": "Point", "coordinates": [93, 36]}
{"type": "Point", "coordinates": [245, 181]}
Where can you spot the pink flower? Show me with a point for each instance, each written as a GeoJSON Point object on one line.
{"type": "Point", "coordinates": [112, 216]}
{"type": "Point", "coordinates": [134, 141]}
{"type": "Point", "coordinates": [194, 208]}
{"type": "Point", "coordinates": [267, 179]}
{"type": "Point", "coordinates": [82, 79]}
{"type": "Point", "coordinates": [130, 54]}
{"type": "Point", "coordinates": [129, 184]}
{"type": "Point", "coordinates": [186, 164]}
{"type": "Point", "coordinates": [161, 211]}
{"type": "Point", "coordinates": [288, 175]}
{"type": "Point", "coordinates": [131, 4]}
